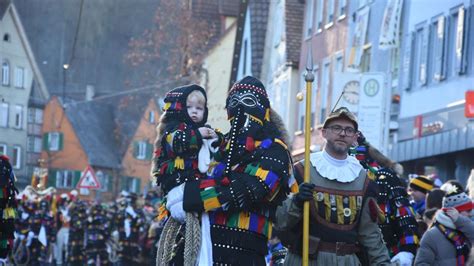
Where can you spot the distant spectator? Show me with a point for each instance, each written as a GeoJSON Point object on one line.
{"type": "Point", "coordinates": [434, 198]}
{"type": "Point", "coordinates": [448, 241]}
{"type": "Point", "coordinates": [418, 188]}
{"type": "Point", "coordinates": [454, 183]}
{"type": "Point", "coordinates": [428, 216]}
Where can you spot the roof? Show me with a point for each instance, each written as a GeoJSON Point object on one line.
{"type": "Point", "coordinates": [228, 7]}
{"type": "Point", "coordinates": [94, 125]}
{"type": "Point", "coordinates": [294, 12]}
{"type": "Point", "coordinates": [106, 126]}
{"type": "Point", "coordinates": [258, 24]}
{"type": "Point", "coordinates": [3, 7]}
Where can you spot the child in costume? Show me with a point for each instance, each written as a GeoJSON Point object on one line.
{"type": "Point", "coordinates": [181, 134]}
{"type": "Point", "coordinates": [449, 240]}
{"type": "Point", "coordinates": [183, 151]}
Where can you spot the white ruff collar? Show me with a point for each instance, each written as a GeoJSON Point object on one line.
{"type": "Point", "coordinates": [347, 172]}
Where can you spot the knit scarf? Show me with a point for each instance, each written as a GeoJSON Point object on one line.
{"type": "Point", "coordinates": [460, 242]}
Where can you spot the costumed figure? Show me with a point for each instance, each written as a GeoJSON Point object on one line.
{"type": "Point", "coordinates": [342, 199]}
{"type": "Point", "coordinates": [8, 208]}
{"type": "Point", "coordinates": [398, 224]}
{"type": "Point", "coordinates": [75, 248]}
{"type": "Point", "coordinates": [183, 151]}
{"type": "Point", "coordinates": [42, 234]}
{"type": "Point", "coordinates": [130, 222]}
{"type": "Point", "coordinates": [238, 199]}
{"type": "Point", "coordinates": [63, 220]}
{"type": "Point", "coordinates": [97, 233]}
{"type": "Point", "coordinates": [26, 209]}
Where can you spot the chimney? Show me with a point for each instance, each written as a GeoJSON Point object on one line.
{"type": "Point", "coordinates": [90, 92]}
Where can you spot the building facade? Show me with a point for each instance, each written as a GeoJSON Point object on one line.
{"type": "Point", "coordinates": [434, 135]}
{"type": "Point", "coordinates": [325, 32]}
{"type": "Point", "coordinates": [20, 81]}
{"type": "Point", "coordinates": [280, 72]}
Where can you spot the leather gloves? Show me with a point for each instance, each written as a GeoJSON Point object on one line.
{"type": "Point", "coordinates": [305, 193]}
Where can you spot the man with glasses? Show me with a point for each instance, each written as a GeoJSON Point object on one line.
{"type": "Point", "coordinates": [343, 209]}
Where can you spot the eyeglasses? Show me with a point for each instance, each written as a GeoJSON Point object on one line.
{"type": "Point", "coordinates": [349, 131]}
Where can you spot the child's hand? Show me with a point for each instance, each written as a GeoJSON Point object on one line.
{"type": "Point", "coordinates": [207, 133]}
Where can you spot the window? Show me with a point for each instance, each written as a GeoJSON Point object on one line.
{"type": "Point", "coordinates": [31, 115]}
{"type": "Point", "coordinates": [103, 179]}
{"type": "Point", "coordinates": [395, 60]}
{"type": "Point", "coordinates": [53, 141]}
{"type": "Point", "coordinates": [365, 60]}
{"type": "Point", "coordinates": [142, 150]}
{"type": "Point", "coordinates": [64, 179]}
{"type": "Point", "coordinates": [3, 114]}
{"type": "Point", "coordinates": [339, 63]}
{"type": "Point", "coordinates": [438, 49]}
{"type": "Point", "coordinates": [330, 13]}
{"type": "Point", "coordinates": [6, 37]}
{"type": "Point", "coordinates": [451, 54]}
{"type": "Point", "coordinates": [33, 144]}
{"type": "Point", "coordinates": [309, 19]}
{"type": "Point", "coordinates": [18, 116]}
{"type": "Point", "coordinates": [39, 116]}
{"type": "Point", "coordinates": [5, 73]}
{"type": "Point", "coordinates": [319, 15]}
{"type": "Point", "coordinates": [342, 8]}
{"type": "Point", "coordinates": [417, 56]}
{"type": "Point", "coordinates": [16, 157]}
{"type": "Point", "coordinates": [151, 117]}
{"type": "Point", "coordinates": [19, 77]}
{"type": "Point", "coordinates": [3, 148]}
{"type": "Point", "coordinates": [324, 91]}
{"type": "Point", "coordinates": [131, 184]}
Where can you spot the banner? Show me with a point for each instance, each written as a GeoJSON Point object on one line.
{"type": "Point", "coordinates": [360, 34]}
{"type": "Point", "coordinates": [390, 31]}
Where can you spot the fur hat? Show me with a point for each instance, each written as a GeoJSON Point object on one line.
{"type": "Point", "coordinates": [457, 199]}
{"type": "Point", "coordinates": [421, 183]}
{"type": "Point", "coordinates": [249, 96]}
{"type": "Point", "coordinates": [175, 103]}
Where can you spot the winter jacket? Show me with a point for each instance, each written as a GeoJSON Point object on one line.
{"type": "Point", "coordinates": [435, 248]}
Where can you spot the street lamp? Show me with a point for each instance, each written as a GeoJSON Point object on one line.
{"type": "Point", "coordinates": [65, 68]}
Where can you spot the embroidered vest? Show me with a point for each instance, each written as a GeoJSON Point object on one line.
{"type": "Point", "coordinates": [336, 208]}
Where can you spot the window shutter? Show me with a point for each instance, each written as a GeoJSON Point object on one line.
{"type": "Point", "coordinates": [123, 183]}
{"type": "Point", "coordinates": [138, 187]}
{"type": "Point", "coordinates": [135, 149]}
{"type": "Point", "coordinates": [110, 183]}
{"type": "Point", "coordinates": [439, 64]}
{"type": "Point", "coordinates": [51, 178]}
{"type": "Point", "coordinates": [149, 151]}
{"type": "Point", "coordinates": [46, 141]}
{"type": "Point", "coordinates": [407, 61]}
{"type": "Point", "coordinates": [460, 42]}
{"type": "Point", "coordinates": [76, 177]}
{"type": "Point", "coordinates": [61, 141]}
{"type": "Point", "coordinates": [424, 55]}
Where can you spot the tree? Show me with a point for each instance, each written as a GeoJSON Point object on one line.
{"type": "Point", "coordinates": [172, 48]}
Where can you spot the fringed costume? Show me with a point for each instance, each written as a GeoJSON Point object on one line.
{"type": "Point", "coordinates": [76, 255]}
{"type": "Point", "coordinates": [97, 233]}
{"type": "Point", "coordinates": [8, 207]}
{"type": "Point", "coordinates": [243, 188]}
{"type": "Point", "coordinates": [399, 226]}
